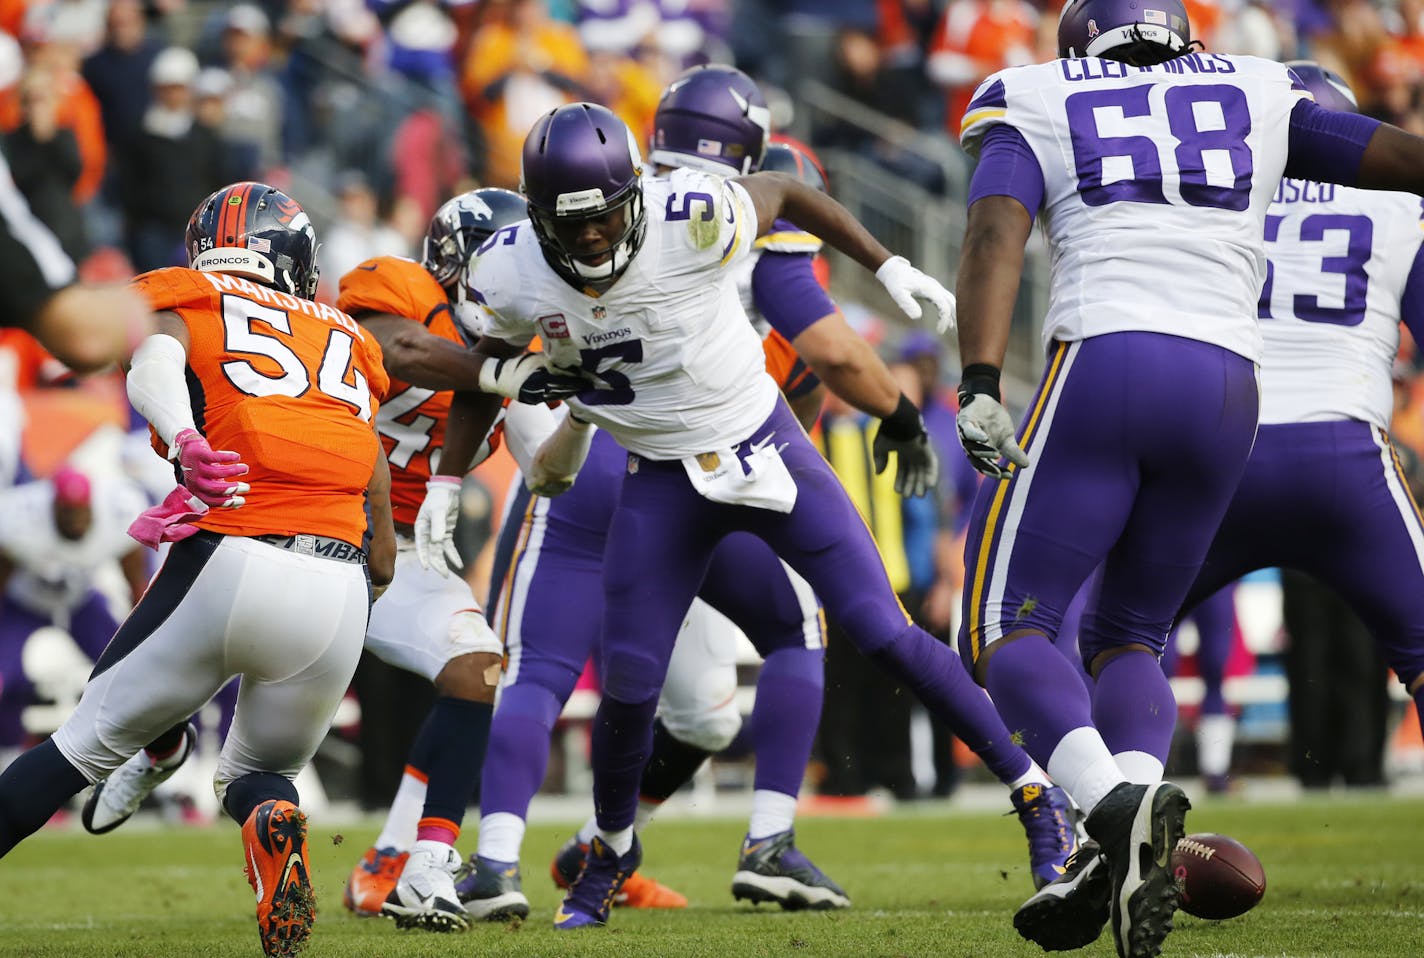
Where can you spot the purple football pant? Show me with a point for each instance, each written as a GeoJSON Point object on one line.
{"type": "Point", "coordinates": [1137, 441]}
{"type": "Point", "coordinates": [548, 610]}
{"type": "Point", "coordinates": [660, 545]}
{"type": "Point", "coordinates": [1329, 499]}
{"type": "Point", "coordinates": [90, 624]}
{"type": "Point", "coordinates": [1215, 619]}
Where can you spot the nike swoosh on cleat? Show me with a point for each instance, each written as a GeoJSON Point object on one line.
{"type": "Point", "coordinates": [256, 875]}
{"type": "Point", "coordinates": [562, 916]}
{"type": "Point", "coordinates": [293, 862]}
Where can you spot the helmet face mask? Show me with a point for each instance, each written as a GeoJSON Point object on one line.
{"type": "Point", "coordinates": [711, 118]}
{"type": "Point", "coordinates": [461, 224]}
{"type": "Point", "coordinates": [258, 232]}
{"type": "Point", "coordinates": [1125, 30]}
{"type": "Point", "coordinates": [581, 167]}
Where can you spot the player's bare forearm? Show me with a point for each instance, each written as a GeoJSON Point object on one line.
{"type": "Point", "coordinates": [990, 267]}
{"type": "Point", "coordinates": [89, 328]}
{"type": "Point", "coordinates": [472, 414]}
{"type": "Point", "coordinates": [1393, 160]}
{"type": "Point", "coordinates": [381, 561]}
{"type": "Point", "coordinates": [807, 406]}
{"type": "Point", "coordinates": [414, 354]}
{"type": "Point", "coordinates": [848, 366]}
{"type": "Point", "coordinates": [779, 195]}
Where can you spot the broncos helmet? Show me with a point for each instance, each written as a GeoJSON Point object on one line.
{"type": "Point", "coordinates": [1140, 32]}
{"type": "Point", "coordinates": [462, 224]}
{"type": "Point", "coordinates": [712, 118]}
{"type": "Point", "coordinates": [796, 159]}
{"type": "Point", "coordinates": [1328, 87]}
{"type": "Point", "coordinates": [258, 232]}
{"type": "Point", "coordinates": [581, 162]}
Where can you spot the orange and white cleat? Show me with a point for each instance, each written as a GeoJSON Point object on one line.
{"type": "Point", "coordinates": [372, 881]}
{"type": "Point", "coordinates": [639, 891]}
{"type": "Point", "coordinates": [275, 841]}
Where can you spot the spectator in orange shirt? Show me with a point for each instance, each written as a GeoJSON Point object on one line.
{"type": "Point", "coordinates": [975, 39]}
{"type": "Point", "coordinates": [520, 65]}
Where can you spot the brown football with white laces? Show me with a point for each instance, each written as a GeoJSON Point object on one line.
{"type": "Point", "coordinates": [1219, 877]}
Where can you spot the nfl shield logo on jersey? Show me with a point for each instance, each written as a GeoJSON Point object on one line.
{"type": "Point", "coordinates": [599, 312]}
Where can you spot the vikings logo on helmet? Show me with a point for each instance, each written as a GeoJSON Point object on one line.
{"type": "Point", "coordinates": [712, 118]}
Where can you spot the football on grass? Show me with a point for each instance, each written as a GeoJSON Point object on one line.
{"type": "Point", "coordinates": [1219, 876]}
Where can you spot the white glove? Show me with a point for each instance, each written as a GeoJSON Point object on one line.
{"type": "Point", "coordinates": [556, 464]}
{"type": "Point", "coordinates": [904, 282]}
{"type": "Point", "coordinates": [530, 378]}
{"type": "Point", "coordinates": [986, 431]}
{"type": "Point", "coordinates": [435, 525]}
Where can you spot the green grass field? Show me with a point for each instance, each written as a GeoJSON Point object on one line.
{"type": "Point", "coordinates": [1344, 878]}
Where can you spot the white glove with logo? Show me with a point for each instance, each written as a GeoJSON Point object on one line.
{"type": "Point", "coordinates": [986, 431]}
{"type": "Point", "coordinates": [435, 525]}
{"type": "Point", "coordinates": [530, 378]}
{"type": "Point", "coordinates": [904, 282]}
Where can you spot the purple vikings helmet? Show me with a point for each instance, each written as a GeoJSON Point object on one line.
{"type": "Point", "coordinates": [1328, 87]}
{"type": "Point", "coordinates": [711, 118]}
{"type": "Point", "coordinates": [581, 162]}
{"type": "Point", "coordinates": [1141, 32]}
{"type": "Point", "coordinates": [462, 224]}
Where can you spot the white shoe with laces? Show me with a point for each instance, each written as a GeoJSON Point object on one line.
{"type": "Point", "coordinates": [425, 896]}
{"type": "Point", "coordinates": [116, 798]}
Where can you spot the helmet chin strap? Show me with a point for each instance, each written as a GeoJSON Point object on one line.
{"type": "Point", "coordinates": [604, 272]}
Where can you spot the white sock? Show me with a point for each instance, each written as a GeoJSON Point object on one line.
{"type": "Point", "coordinates": [1034, 776]}
{"type": "Point", "coordinates": [1215, 736]}
{"type": "Point", "coordinates": [589, 829]}
{"type": "Point", "coordinates": [404, 817]}
{"type": "Point", "coordinates": [501, 835]}
{"type": "Point", "coordinates": [1141, 768]}
{"type": "Point", "coordinates": [620, 841]}
{"type": "Point", "coordinates": [1084, 768]}
{"type": "Point", "coordinates": [772, 813]}
{"type": "Point", "coordinates": [645, 813]}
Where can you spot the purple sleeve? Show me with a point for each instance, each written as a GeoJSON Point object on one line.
{"type": "Point", "coordinates": [785, 290]}
{"type": "Point", "coordinates": [1327, 145]}
{"type": "Point", "coordinates": [1007, 167]}
{"type": "Point", "coordinates": [1411, 304]}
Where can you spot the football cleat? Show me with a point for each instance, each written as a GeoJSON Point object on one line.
{"type": "Point", "coordinates": [1137, 827]}
{"type": "Point", "coordinates": [424, 896]}
{"type": "Point", "coordinates": [639, 891]}
{"type": "Point", "coordinates": [774, 869]}
{"type": "Point", "coordinates": [1047, 818]}
{"type": "Point", "coordinates": [491, 891]}
{"type": "Point", "coordinates": [274, 838]}
{"type": "Point", "coordinates": [592, 893]}
{"type": "Point", "coordinates": [116, 798]}
{"type": "Point", "coordinates": [372, 881]}
{"type": "Point", "coordinates": [1069, 912]}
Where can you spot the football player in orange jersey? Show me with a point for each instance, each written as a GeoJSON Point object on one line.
{"type": "Point", "coordinates": [268, 577]}
{"type": "Point", "coordinates": [427, 623]}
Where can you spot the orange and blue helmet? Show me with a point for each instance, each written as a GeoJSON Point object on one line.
{"type": "Point", "coordinates": [258, 232]}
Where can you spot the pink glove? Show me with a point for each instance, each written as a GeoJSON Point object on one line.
{"type": "Point", "coordinates": [169, 521]}
{"type": "Point", "coordinates": [208, 474]}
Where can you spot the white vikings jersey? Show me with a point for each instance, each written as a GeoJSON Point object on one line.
{"type": "Point", "coordinates": [52, 573]}
{"type": "Point", "coordinates": [1330, 306]}
{"type": "Point", "coordinates": [1157, 183]}
{"type": "Point", "coordinates": [679, 369]}
{"type": "Point", "coordinates": [784, 238]}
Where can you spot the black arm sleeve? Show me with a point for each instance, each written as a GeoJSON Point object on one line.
{"type": "Point", "coordinates": [33, 266]}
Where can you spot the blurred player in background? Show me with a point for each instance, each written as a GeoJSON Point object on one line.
{"type": "Point", "coordinates": [1154, 165]}
{"type": "Point", "coordinates": [267, 577]}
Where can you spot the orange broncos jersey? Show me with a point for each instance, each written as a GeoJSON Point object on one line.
{"type": "Point", "coordinates": [288, 384]}
{"type": "Point", "coordinates": [412, 420]}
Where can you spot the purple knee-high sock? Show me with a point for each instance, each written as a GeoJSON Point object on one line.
{"type": "Point", "coordinates": [1133, 706]}
{"type": "Point", "coordinates": [790, 689]}
{"type": "Point", "coordinates": [937, 676]}
{"type": "Point", "coordinates": [518, 751]}
{"type": "Point", "coordinates": [622, 742]}
{"type": "Point", "coordinates": [1038, 693]}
